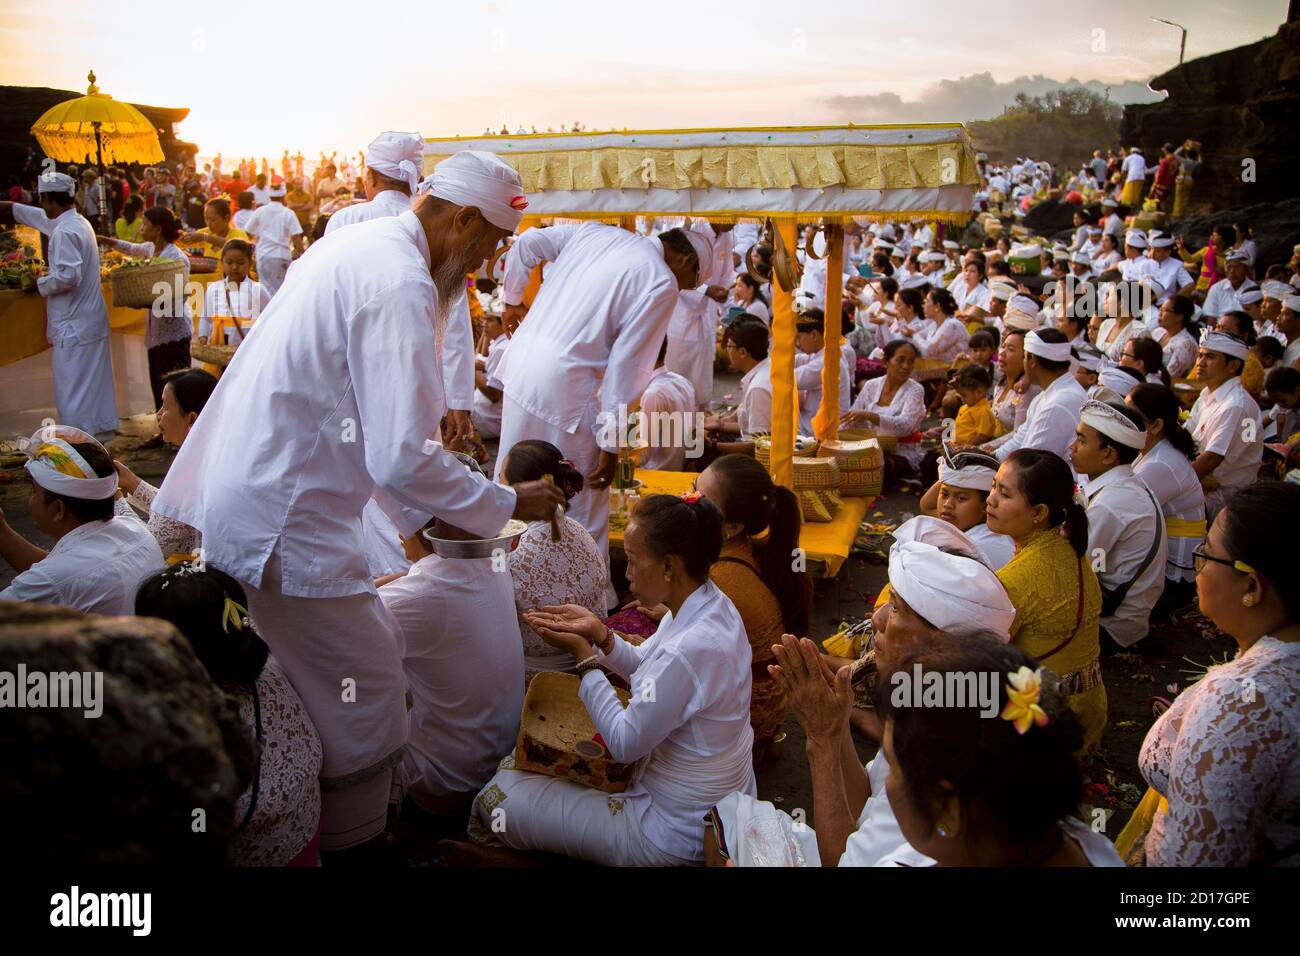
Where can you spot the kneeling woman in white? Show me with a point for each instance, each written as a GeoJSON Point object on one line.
{"type": "Point", "coordinates": [688, 719]}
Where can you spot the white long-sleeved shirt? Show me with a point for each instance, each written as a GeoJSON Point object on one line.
{"type": "Point", "coordinates": [75, 311]}
{"type": "Point", "coordinates": [387, 202]}
{"type": "Point", "coordinates": [1051, 420]}
{"type": "Point", "coordinates": [1171, 478]}
{"type": "Point", "coordinates": [667, 426]}
{"type": "Point", "coordinates": [604, 308]}
{"type": "Point", "coordinates": [900, 417]}
{"type": "Point", "coordinates": [458, 636]}
{"type": "Point", "coordinates": [688, 715]}
{"type": "Point", "coordinates": [335, 397]}
{"type": "Point", "coordinates": [808, 382]}
{"type": "Point", "coordinates": [1134, 166]}
{"type": "Point", "coordinates": [1218, 424]}
{"type": "Point", "coordinates": [945, 340]}
{"type": "Point", "coordinates": [1222, 297]}
{"type": "Point", "coordinates": [1124, 521]}
{"type": "Point", "coordinates": [458, 338]}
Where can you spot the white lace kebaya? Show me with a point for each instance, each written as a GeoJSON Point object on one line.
{"type": "Point", "coordinates": [1226, 756]}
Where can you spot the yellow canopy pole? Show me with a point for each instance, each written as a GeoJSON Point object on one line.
{"type": "Point", "coordinates": [785, 405]}
{"type": "Point", "coordinates": [627, 222]}
{"type": "Point", "coordinates": [826, 423]}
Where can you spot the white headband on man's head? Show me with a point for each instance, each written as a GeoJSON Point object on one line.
{"type": "Point", "coordinates": [482, 180]}
{"type": "Point", "coordinates": [1225, 343]}
{"type": "Point", "coordinates": [397, 156]}
{"type": "Point", "coordinates": [1052, 351]}
{"type": "Point", "coordinates": [57, 467]}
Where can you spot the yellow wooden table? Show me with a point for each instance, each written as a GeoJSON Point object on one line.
{"type": "Point", "coordinates": [22, 319]}
{"type": "Point", "coordinates": [826, 544]}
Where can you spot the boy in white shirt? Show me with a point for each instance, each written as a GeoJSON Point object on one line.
{"type": "Point", "coordinates": [486, 413]}
{"type": "Point", "coordinates": [459, 641]}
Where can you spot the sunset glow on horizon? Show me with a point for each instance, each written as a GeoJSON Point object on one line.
{"type": "Point", "coordinates": [326, 79]}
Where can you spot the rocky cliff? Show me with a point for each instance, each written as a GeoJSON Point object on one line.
{"type": "Point", "coordinates": [1241, 104]}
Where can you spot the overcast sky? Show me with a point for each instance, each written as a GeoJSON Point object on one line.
{"type": "Point", "coordinates": [329, 78]}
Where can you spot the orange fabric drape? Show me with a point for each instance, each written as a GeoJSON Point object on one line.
{"type": "Point", "coordinates": [826, 423]}
{"type": "Point", "coordinates": [785, 405]}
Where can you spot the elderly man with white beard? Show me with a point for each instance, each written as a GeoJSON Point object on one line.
{"type": "Point", "coordinates": [334, 398]}
{"type": "Point", "coordinates": [597, 324]}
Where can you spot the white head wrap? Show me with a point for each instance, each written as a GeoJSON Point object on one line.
{"type": "Point", "coordinates": [1002, 290]}
{"type": "Point", "coordinates": [1250, 295]}
{"type": "Point", "coordinates": [935, 256]}
{"type": "Point", "coordinates": [950, 244]}
{"type": "Point", "coordinates": [1052, 351]}
{"type": "Point", "coordinates": [53, 182]}
{"type": "Point", "coordinates": [57, 467]}
{"type": "Point", "coordinates": [1117, 379]}
{"type": "Point", "coordinates": [1112, 424]}
{"type": "Point", "coordinates": [1225, 343]}
{"type": "Point", "coordinates": [1273, 289]}
{"type": "Point", "coordinates": [1024, 303]}
{"type": "Point", "coordinates": [1082, 259]}
{"type": "Point", "coordinates": [1020, 321]}
{"type": "Point", "coordinates": [703, 247]}
{"type": "Point", "coordinates": [482, 180]}
{"type": "Point", "coordinates": [1108, 201]}
{"type": "Point", "coordinates": [276, 192]}
{"type": "Point", "coordinates": [1088, 358]}
{"type": "Point", "coordinates": [1135, 238]}
{"type": "Point", "coordinates": [959, 595]}
{"type": "Point", "coordinates": [974, 477]}
{"type": "Point", "coordinates": [397, 156]}
{"type": "Point", "coordinates": [1160, 240]}
{"type": "Point", "coordinates": [1291, 302]}
{"type": "Point", "coordinates": [1237, 255]}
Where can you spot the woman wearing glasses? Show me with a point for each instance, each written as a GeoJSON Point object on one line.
{"type": "Point", "coordinates": [1226, 755]}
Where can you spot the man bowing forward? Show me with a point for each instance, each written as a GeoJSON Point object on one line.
{"type": "Point", "coordinates": [335, 397]}
{"type": "Point", "coordinates": [596, 325]}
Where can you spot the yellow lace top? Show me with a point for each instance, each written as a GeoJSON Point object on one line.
{"type": "Point", "coordinates": [1043, 581]}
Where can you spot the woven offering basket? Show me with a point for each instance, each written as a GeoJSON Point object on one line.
{"type": "Point", "coordinates": [888, 443]}
{"type": "Point", "coordinates": [861, 464]}
{"type": "Point", "coordinates": [804, 446]}
{"type": "Point", "coordinates": [213, 354]}
{"type": "Point", "coordinates": [557, 737]}
{"type": "Point", "coordinates": [133, 287]}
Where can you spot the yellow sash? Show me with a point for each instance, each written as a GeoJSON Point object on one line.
{"type": "Point", "coordinates": [1139, 824]}
{"type": "Point", "coordinates": [1185, 528]}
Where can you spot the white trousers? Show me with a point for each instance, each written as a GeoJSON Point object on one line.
{"type": "Point", "coordinates": [531, 811]}
{"type": "Point", "coordinates": [83, 386]}
{"type": "Point", "coordinates": [270, 272]}
{"type": "Point", "coordinates": [590, 507]}
{"type": "Point", "coordinates": [341, 656]}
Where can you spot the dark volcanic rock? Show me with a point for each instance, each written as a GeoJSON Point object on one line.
{"type": "Point", "coordinates": [121, 787]}
{"type": "Point", "coordinates": [1241, 104]}
{"type": "Point", "coordinates": [1274, 225]}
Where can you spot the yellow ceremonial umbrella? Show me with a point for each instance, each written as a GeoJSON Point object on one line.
{"type": "Point", "coordinates": [96, 123]}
